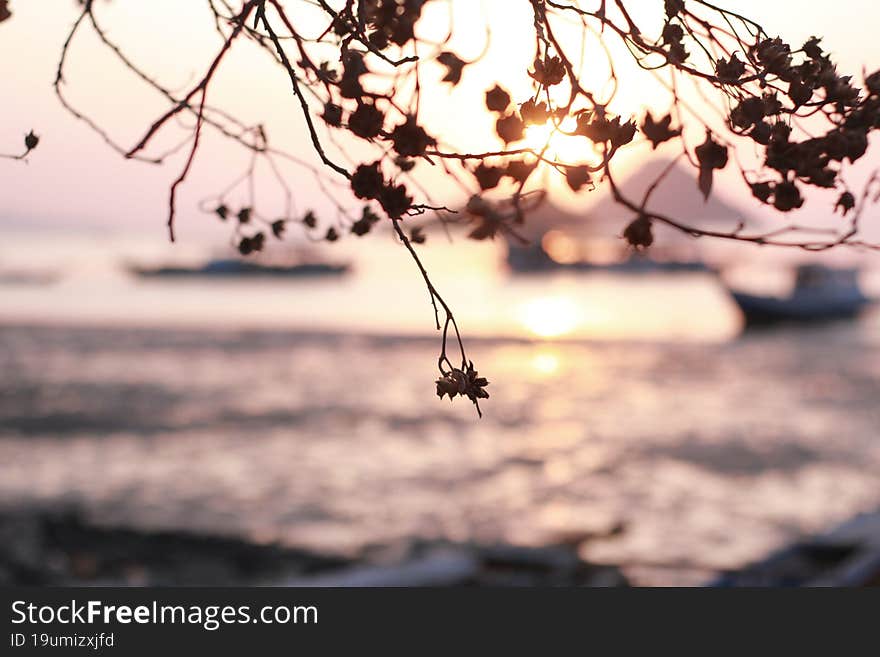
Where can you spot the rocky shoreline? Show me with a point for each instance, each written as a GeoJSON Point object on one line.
{"type": "Point", "coordinates": [64, 549]}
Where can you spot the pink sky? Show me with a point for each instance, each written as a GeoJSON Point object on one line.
{"type": "Point", "coordinates": [74, 180]}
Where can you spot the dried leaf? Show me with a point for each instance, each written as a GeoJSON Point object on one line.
{"type": "Point", "coordinates": [497, 100]}
{"type": "Point", "coordinates": [454, 67]}
{"type": "Point", "coordinates": [31, 140]}
{"type": "Point", "coordinates": [488, 177]}
{"type": "Point", "coordinates": [705, 181]}
{"type": "Point", "coordinates": [510, 128]}
{"type": "Point", "coordinates": [578, 177]}
{"type": "Point", "coordinates": [845, 203]}
{"type": "Point", "coordinates": [711, 155]}
{"type": "Point", "coordinates": [659, 131]}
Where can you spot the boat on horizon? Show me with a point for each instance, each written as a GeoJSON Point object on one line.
{"type": "Point", "coordinates": [28, 277]}
{"type": "Point", "coordinates": [236, 268]}
{"type": "Point", "coordinates": [820, 294]}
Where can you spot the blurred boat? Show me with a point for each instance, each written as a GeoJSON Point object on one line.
{"type": "Point", "coordinates": [23, 277]}
{"type": "Point", "coordinates": [233, 268]}
{"type": "Point", "coordinates": [820, 294]}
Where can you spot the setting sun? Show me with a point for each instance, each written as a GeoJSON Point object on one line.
{"type": "Point", "coordinates": [550, 317]}
{"type": "Point", "coordinates": [560, 146]}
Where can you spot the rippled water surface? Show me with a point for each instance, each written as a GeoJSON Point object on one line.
{"type": "Point", "coordinates": [709, 453]}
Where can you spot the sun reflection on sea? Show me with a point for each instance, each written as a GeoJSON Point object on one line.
{"type": "Point", "coordinates": [546, 362]}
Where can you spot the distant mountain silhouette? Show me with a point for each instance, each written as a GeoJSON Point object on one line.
{"type": "Point", "coordinates": [677, 196]}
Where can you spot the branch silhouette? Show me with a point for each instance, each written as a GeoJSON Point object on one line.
{"type": "Point", "coordinates": [361, 77]}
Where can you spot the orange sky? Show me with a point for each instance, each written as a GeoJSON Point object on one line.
{"type": "Point", "coordinates": [74, 180]}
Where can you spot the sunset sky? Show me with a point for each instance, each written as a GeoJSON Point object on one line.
{"type": "Point", "coordinates": [74, 180]}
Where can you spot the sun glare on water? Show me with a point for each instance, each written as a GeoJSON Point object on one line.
{"type": "Point", "coordinates": [546, 363]}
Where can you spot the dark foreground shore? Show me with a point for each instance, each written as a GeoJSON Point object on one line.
{"type": "Point", "coordinates": [62, 548]}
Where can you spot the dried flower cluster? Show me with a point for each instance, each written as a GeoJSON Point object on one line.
{"type": "Point", "coordinates": [466, 383]}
